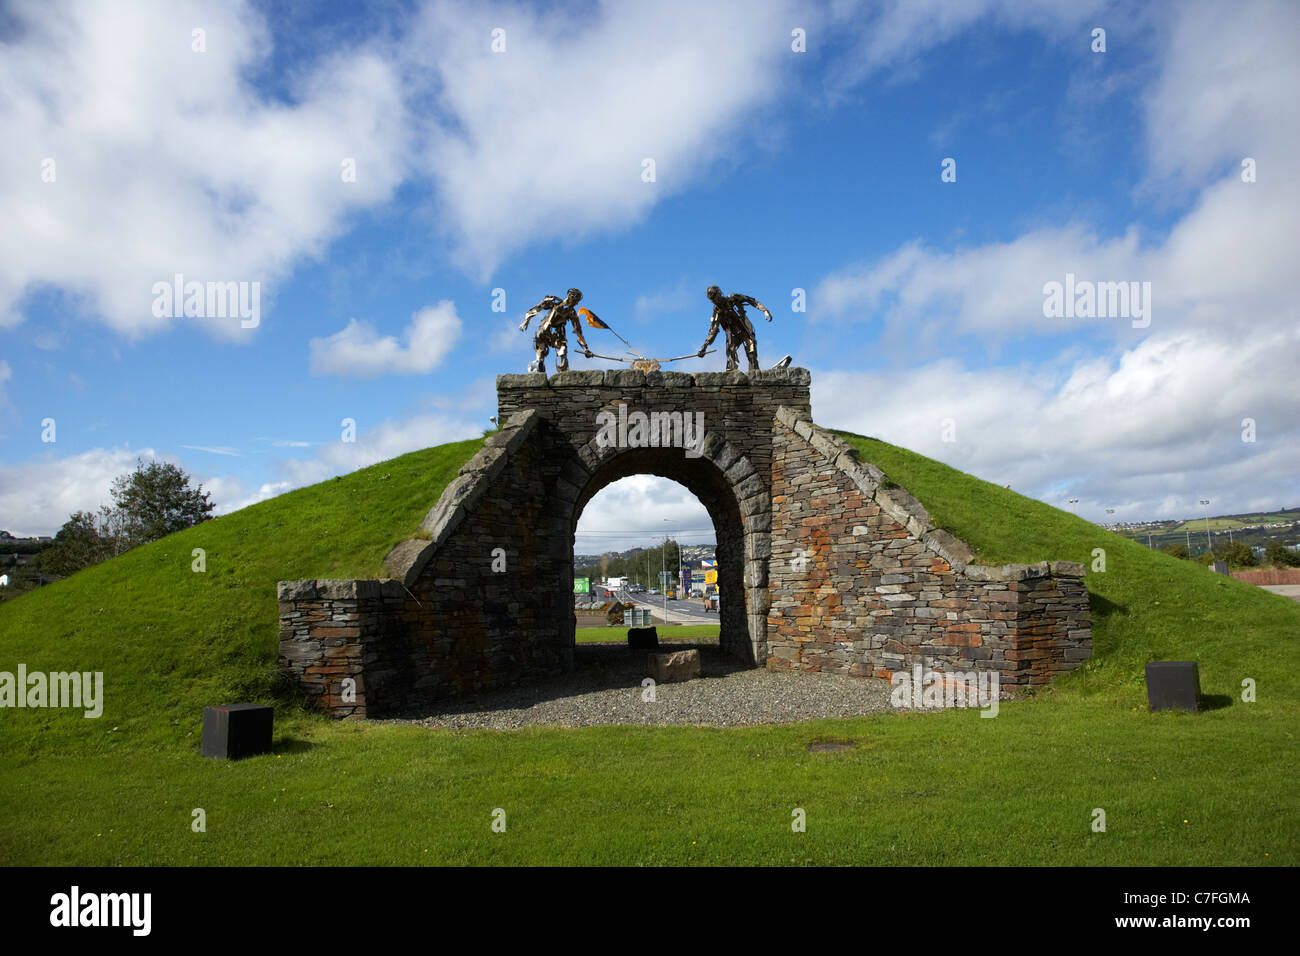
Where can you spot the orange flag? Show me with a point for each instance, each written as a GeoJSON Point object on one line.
{"type": "Point", "coordinates": [592, 320]}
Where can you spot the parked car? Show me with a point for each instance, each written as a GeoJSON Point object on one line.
{"type": "Point", "coordinates": [654, 590]}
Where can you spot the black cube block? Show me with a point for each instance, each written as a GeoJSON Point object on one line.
{"type": "Point", "coordinates": [236, 730]}
{"type": "Point", "coordinates": [1173, 685]}
{"type": "Point", "coordinates": [642, 638]}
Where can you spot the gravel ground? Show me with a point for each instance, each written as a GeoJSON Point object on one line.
{"type": "Point", "coordinates": [605, 688]}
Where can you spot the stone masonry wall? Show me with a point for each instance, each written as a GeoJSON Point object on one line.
{"type": "Point", "coordinates": [481, 598]}
{"type": "Point", "coordinates": [862, 583]}
{"type": "Point", "coordinates": [334, 630]}
{"type": "Point", "coordinates": [731, 477]}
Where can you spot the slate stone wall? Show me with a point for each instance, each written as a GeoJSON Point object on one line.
{"type": "Point", "coordinates": [862, 583]}
{"type": "Point", "coordinates": [332, 631]}
{"type": "Point", "coordinates": [823, 563]}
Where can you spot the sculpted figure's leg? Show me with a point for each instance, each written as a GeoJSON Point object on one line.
{"type": "Point", "coordinates": [562, 357]}
{"type": "Point", "coordinates": [539, 365]}
{"type": "Point", "coordinates": [751, 352]}
{"type": "Point", "coordinates": [732, 344]}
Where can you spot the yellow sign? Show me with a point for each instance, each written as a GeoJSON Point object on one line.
{"type": "Point", "coordinates": [710, 577]}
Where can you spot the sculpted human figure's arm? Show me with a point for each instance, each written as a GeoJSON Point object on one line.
{"type": "Point", "coordinates": [750, 300]}
{"type": "Point", "coordinates": [549, 302]}
{"type": "Point", "coordinates": [577, 331]}
{"type": "Point", "coordinates": [713, 332]}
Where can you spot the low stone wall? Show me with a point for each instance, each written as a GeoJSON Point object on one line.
{"type": "Point", "coordinates": [334, 631]}
{"type": "Point", "coordinates": [862, 583]}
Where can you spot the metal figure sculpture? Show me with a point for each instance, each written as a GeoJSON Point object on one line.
{"type": "Point", "coordinates": [551, 330]}
{"type": "Point", "coordinates": [729, 315]}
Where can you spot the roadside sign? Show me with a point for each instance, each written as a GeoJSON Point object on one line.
{"type": "Point", "coordinates": [582, 585]}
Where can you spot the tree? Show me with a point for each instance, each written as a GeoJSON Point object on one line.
{"type": "Point", "coordinates": [78, 545]}
{"type": "Point", "coordinates": [1280, 556]}
{"type": "Point", "coordinates": [150, 502]}
{"type": "Point", "coordinates": [1239, 555]}
{"type": "Point", "coordinates": [1176, 550]}
{"type": "Point", "coordinates": [156, 499]}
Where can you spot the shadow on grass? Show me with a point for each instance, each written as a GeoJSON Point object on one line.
{"type": "Point", "coordinates": [1214, 701]}
{"type": "Point", "coordinates": [1102, 608]}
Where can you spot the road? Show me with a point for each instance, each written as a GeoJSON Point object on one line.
{"type": "Point", "coordinates": [679, 612]}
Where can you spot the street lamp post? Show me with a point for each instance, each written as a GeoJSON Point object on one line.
{"type": "Point", "coordinates": [663, 573]}
{"type": "Point", "coordinates": [1205, 502]}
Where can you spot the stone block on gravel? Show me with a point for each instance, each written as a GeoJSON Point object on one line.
{"type": "Point", "coordinates": [676, 666]}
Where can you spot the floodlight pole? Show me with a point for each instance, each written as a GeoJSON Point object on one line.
{"type": "Point", "coordinates": [1208, 544]}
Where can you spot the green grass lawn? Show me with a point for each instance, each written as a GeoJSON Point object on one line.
{"type": "Point", "coordinates": [948, 788]}
{"type": "Point", "coordinates": [680, 632]}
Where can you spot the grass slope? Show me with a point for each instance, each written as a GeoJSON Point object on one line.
{"type": "Point", "coordinates": [1146, 605]}
{"type": "Point", "coordinates": [946, 788]}
{"type": "Point", "coordinates": [169, 639]}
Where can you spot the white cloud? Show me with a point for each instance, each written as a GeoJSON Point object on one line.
{"type": "Point", "coordinates": [223, 450]}
{"type": "Point", "coordinates": [1146, 431]}
{"type": "Point", "coordinates": [546, 140]}
{"type": "Point", "coordinates": [1149, 421]}
{"type": "Point", "coordinates": [893, 35]}
{"type": "Point", "coordinates": [358, 352]}
{"type": "Point", "coordinates": [168, 161]}
{"type": "Point", "coordinates": [378, 443]}
{"type": "Point", "coordinates": [229, 494]}
{"type": "Point", "coordinates": [39, 496]}
{"type": "Point", "coordinates": [635, 511]}
{"type": "Point", "coordinates": [1226, 90]}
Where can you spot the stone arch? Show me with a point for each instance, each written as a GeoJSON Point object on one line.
{"type": "Point", "coordinates": [837, 568]}
{"type": "Point", "coordinates": [711, 477]}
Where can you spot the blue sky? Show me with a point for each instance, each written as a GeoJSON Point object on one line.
{"type": "Point", "coordinates": [775, 170]}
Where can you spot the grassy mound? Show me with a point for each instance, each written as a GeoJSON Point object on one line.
{"type": "Point", "coordinates": [1146, 605]}
{"type": "Point", "coordinates": [941, 788]}
{"type": "Point", "coordinates": [169, 639]}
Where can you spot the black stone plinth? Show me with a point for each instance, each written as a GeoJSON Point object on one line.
{"type": "Point", "coordinates": [236, 730]}
{"type": "Point", "coordinates": [1173, 685]}
{"type": "Point", "coordinates": [642, 638]}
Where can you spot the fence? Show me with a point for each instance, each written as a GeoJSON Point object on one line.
{"type": "Point", "coordinates": [1275, 576]}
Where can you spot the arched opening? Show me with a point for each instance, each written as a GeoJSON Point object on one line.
{"type": "Point", "coordinates": [709, 485]}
